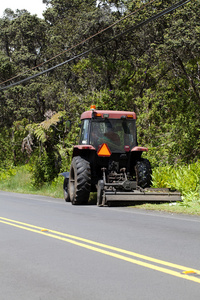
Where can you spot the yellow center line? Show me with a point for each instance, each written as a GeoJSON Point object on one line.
{"type": "Point", "coordinates": [89, 244]}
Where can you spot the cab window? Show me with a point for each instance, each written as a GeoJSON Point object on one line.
{"type": "Point", "coordinates": [84, 132]}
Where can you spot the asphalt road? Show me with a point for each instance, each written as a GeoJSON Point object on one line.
{"type": "Point", "coordinates": [51, 250]}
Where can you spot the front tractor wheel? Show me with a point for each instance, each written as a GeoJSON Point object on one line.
{"type": "Point", "coordinates": [66, 189]}
{"type": "Point", "coordinates": [100, 187]}
{"type": "Point", "coordinates": [79, 181]}
{"type": "Point", "coordinates": [143, 173]}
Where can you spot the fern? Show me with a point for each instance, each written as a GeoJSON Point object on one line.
{"type": "Point", "coordinates": [40, 134]}
{"type": "Point", "coordinates": [51, 121]}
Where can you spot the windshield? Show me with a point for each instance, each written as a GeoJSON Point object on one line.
{"type": "Point", "coordinates": [116, 133]}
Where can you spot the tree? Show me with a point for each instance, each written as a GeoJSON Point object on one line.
{"type": "Point", "coordinates": [153, 69]}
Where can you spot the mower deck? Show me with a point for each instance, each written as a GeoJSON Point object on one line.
{"type": "Point", "coordinates": [149, 194]}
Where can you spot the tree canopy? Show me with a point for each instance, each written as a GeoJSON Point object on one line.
{"type": "Point", "coordinates": [153, 70]}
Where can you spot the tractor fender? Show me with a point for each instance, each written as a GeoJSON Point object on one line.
{"type": "Point", "coordinates": [84, 147]}
{"type": "Point", "coordinates": [142, 149]}
{"type": "Point", "coordinates": [78, 149]}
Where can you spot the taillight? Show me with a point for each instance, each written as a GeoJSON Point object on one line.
{"type": "Point", "coordinates": [126, 148]}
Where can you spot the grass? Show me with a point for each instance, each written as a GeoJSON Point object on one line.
{"type": "Point", "coordinates": [177, 208]}
{"type": "Point", "coordinates": [18, 180]}
{"type": "Point", "coordinates": [186, 179]}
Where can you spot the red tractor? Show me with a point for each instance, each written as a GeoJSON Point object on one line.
{"type": "Point", "coordinates": [108, 160]}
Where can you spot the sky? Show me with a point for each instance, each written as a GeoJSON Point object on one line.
{"type": "Point", "coordinates": [32, 6]}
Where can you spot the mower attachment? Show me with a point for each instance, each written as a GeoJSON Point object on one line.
{"type": "Point", "coordinates": [152, 195]}
{"type": "Point", "coordinates": [127, 190]}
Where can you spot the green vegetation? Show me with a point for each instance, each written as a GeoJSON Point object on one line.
{"type": "Point", "coordinates": [153, 70]}
{"type": "Point", "coordinates": [184, 178]}
{"type": "Point", "coordinates": [20, 180]}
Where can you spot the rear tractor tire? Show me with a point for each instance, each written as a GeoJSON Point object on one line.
{"type": "Point", "coordinates": [79, 181]}
{"type": "Point", "coordinates": [143, 173]}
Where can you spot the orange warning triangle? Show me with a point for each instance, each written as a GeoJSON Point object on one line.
{"type": "Point", "coordinates": [104, 150]}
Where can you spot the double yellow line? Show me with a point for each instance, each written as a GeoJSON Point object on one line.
{"type": "Point", "coordinates": [128, 256]}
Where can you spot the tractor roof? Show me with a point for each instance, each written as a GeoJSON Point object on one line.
{"type": "Point", "coordinates": [109, 114]}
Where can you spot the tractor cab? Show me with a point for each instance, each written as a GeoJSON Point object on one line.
{"type": "Point", "coordinates": [116, 129]}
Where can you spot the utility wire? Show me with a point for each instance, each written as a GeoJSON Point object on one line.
{"type": "Point", "coordinates": [153, 18]}
{"type": "Point", "coordinates": [87, 39]}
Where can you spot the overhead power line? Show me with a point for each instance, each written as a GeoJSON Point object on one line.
{"type": "Point", "coordinates": [132, 28]}
{"type": "Point", "coordinates": [80, 43]}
